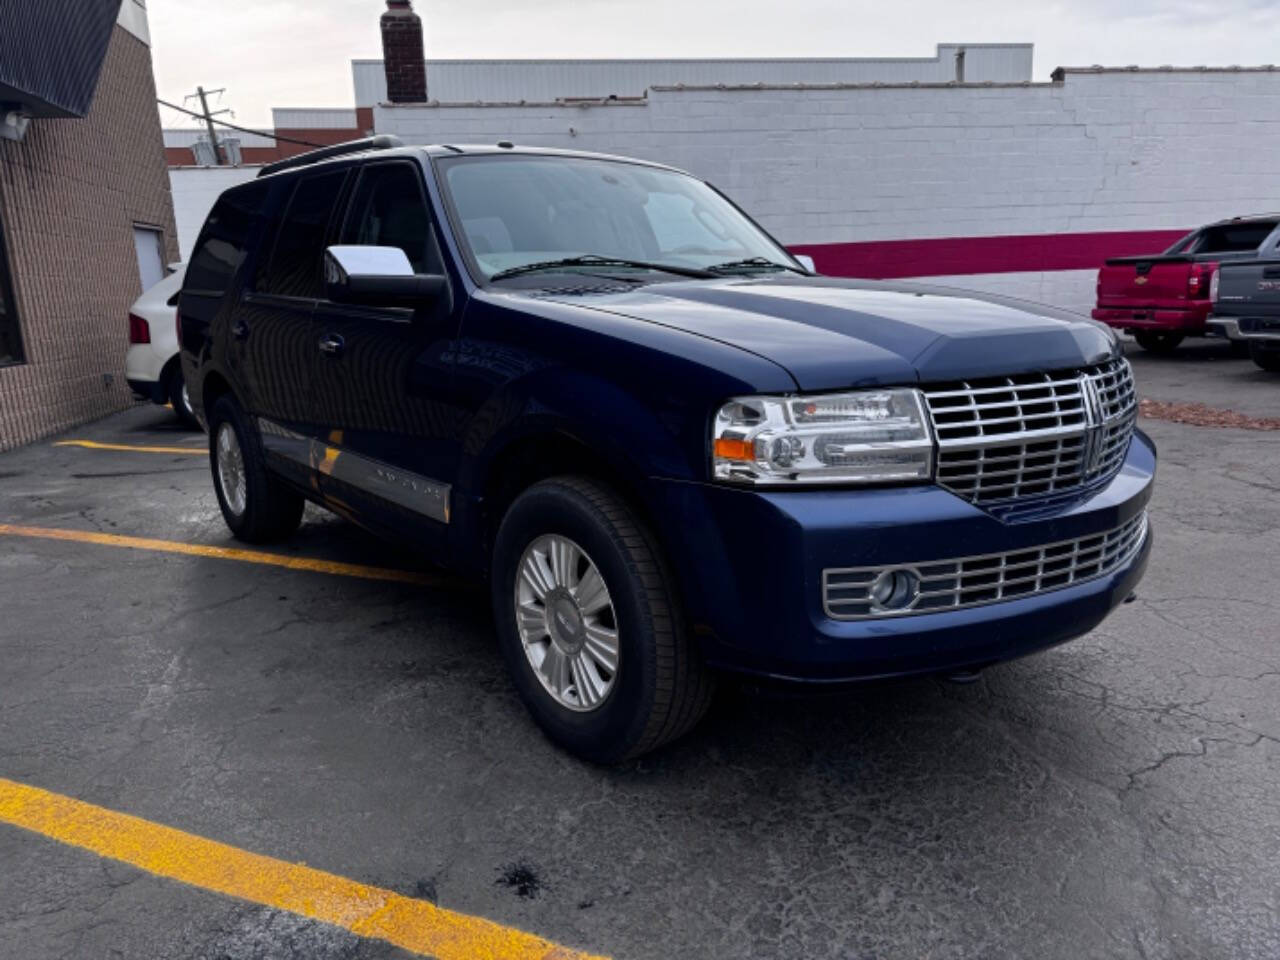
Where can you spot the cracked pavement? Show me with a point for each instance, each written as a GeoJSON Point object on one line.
{"type": "Point", "coordinates": [1115, 797]}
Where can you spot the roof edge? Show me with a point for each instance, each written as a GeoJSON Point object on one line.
{"type": "Point", "coordinates": [1062, 72]}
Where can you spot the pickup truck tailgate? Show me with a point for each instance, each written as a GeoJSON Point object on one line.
{"type": "Point", "coordinates": [1246, 287]}
{"type": "Point", "coordinates": [1154, 282]}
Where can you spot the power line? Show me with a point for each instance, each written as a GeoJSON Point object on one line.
{"type": "Point", "coordinates": [224, 123]}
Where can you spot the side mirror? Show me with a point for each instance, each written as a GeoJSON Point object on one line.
{"type": "Point", "coordinates": [378, 277]}
{"type": "Point", "coordinates": [805, 261]}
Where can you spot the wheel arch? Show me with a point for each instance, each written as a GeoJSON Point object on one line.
{"type": "Point", "coordinates": [559, 421]}
{"type": "Point", "coordinates": [549, 450]}
{"type": "Point", "coordinates": [213, 386]}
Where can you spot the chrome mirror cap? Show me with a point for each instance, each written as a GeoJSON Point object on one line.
{"type": "Point", "coordinates": [344, 262]}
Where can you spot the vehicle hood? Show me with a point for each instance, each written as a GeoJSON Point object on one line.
{"type": "Point", "coordinates": [830, 333]}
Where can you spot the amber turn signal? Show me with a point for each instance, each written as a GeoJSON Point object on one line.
{"type": "Point", "coordinates": [728, 449]}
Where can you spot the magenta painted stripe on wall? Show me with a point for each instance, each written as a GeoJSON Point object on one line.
{"type": "Point", "coordinates": [947, 256]}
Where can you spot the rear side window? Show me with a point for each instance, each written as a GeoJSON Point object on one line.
{"type": "Point", "coordinates": [296, 257]}
{"type": "Point", "coordinates": [1235, 237]}
{"type": "Point", "coordinates": [224, 241]}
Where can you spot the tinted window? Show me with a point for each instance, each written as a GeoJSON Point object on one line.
{"type": "Point", "coordinates": [388, 209]}
{"type": "Point", "coordinates": [224, 240]}
{"type": "Point", "coordinates": [1234, 237]}
{"type": "Point", "coordinates": [10, 341]}
{"type": "Point", "coordinates": [297, 254]}
{"type": "Point", "coordinates": [1183, 245]}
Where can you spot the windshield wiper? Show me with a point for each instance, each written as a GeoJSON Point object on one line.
{"type": "Point", "coordinates": [751, 262]}
{"type": "Point", "coordinates": [595, 260]}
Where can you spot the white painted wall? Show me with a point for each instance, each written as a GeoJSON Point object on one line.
{"type": "Point", "coordinates": [194, 191]}
{"type": "Point", "coordinates": [534, 80]}
{"type": "Point", "coordinates": [1103, 150]}
{"type": "Point", "coordinates": [313, 118]}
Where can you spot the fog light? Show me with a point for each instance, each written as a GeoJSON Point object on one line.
{"type": "Point", "coordinates": [895, 590]}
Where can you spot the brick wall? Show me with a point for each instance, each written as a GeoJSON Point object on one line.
{"type": "Point", "coordinates": [1100, 151]}
{"type": "Point", "coordinates": [70, 194]}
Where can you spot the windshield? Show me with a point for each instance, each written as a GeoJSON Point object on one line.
{"type": "Point", "coordinates": [518, 211]}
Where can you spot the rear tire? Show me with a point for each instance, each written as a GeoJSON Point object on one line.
{"type": "Point", "coordinates": [1162, 343]}
{"type": "Point", "coordinates": [257, 506]}
{"type": "Point", "coordinates": [180, 399]}
{"type": "Point", "coordinates": [659, 687]}
{"type": "Point", "coordinates": [1267, 359]}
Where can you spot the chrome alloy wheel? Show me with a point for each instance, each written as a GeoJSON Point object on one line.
{"type": "Point", "coordinates": [567, 623]}
{"type": "Point", "coordinates": [231, 476]}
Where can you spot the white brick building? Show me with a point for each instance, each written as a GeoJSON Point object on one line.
{"type": "Point", "coordinates": [469, 81]}
{"type": "Point", "coordinates": [1054, 175]}
{"type": "Point", "coordinates": [955, 166]}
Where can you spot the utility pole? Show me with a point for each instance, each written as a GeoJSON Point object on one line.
{"type": "Point", "coordinates": [205, 114]}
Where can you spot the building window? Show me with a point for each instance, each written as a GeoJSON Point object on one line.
{"type": "Point", "coordinates": [10, 338]}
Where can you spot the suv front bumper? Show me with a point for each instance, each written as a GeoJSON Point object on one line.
{"type": "Point", "coordinates": [751, 566]}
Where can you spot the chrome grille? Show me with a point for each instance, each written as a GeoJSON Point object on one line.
{"type": "Point", "coordinates": [973, 581]}
{"type": "Point", "coordinates": [1006, 438]}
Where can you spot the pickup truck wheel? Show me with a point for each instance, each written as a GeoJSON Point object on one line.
{"type": "Point", "coordinates": [1267, 359]}
{"type": "Point", "coordinates": [1158, 342]}
{"type": "Point", "coordinates": [589, 624]}
{"type": "Point", "coordinates": [257, 506]}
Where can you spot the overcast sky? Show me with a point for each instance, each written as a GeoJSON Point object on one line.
{"type": "Point", "coordinates": [296, 53]}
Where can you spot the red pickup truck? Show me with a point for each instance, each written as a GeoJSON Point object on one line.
{"type": "Point", "coordinates": [1164, 298]}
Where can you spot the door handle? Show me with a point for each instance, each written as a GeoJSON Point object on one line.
{"type": "Point", "coordinates": [332, 345]}
{"type": "Point", "coordinates": [240, 330]}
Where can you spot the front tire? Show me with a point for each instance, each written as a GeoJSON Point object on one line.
{"type": "Point", "coordinates": [1162, 343]}
{"type": "Point", "coordinates": [590, 625]}
{"type": "Point", "coordinates": [257, 506]}
{"type": "Point", "coordinates": [1268, 360]}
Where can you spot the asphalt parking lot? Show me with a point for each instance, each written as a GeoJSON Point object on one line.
{"type": "Point", "coordinates": [1114, 797]}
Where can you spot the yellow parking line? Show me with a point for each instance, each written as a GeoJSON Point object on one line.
{"type": "Point", "coordinates": [371, 912]}
{"type": "Point", "coordinates": [129, 448]}
{"type": "Point", "coordinates": [227, 553]}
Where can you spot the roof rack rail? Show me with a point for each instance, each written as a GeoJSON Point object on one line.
{"type": "Point", "coordinates": [383, 141]}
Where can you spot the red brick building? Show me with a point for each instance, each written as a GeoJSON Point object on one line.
{"type": "Point", "coordinates": [86, 218]}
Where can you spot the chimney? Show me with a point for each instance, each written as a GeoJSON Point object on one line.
{"type": "Point", "coordinates": [402, 53]}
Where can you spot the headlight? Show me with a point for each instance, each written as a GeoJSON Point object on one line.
{"type": "Point", "coordinates": [876, 436]}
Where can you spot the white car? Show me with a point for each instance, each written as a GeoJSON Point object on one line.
{"type": "Point", "coordinates": [151, 365]}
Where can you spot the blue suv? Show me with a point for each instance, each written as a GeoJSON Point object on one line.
{"type": "Point", "coordinates": [672, 450]}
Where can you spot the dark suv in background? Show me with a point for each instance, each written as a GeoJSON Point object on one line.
{"type": "Point", "coordinates": [670, 448]}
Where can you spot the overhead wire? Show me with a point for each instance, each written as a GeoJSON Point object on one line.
{"type": "Point", "coordinates": [224, 123]}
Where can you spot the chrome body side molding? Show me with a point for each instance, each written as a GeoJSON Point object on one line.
{"type": "Point", "coordinates": [406, 489]}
